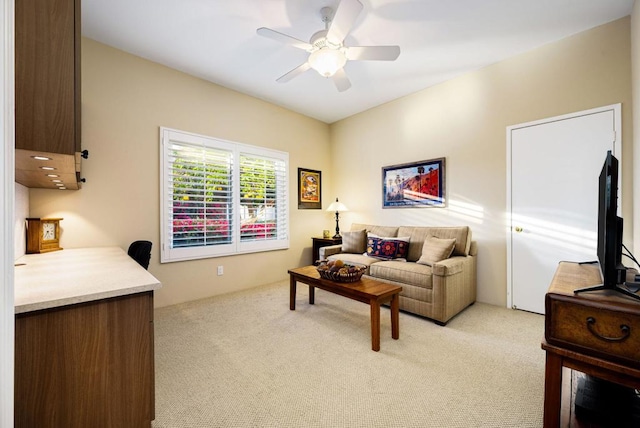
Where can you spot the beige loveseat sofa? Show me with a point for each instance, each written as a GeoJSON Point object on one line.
{"type": "Point", "coordinates": [436, 268]}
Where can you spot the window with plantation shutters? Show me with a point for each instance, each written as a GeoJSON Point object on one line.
{"type": "Point", "coordinates": [220, 198]}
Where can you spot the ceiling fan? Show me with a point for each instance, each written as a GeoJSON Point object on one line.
{"type": "Point", "coordinates": [327, 52]}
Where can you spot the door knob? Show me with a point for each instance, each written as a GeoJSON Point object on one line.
{"type": "Point", "coordinates": [518, 229]}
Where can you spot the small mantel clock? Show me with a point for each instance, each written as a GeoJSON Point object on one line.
{"type": "Point", "coordinates": [43, 235]}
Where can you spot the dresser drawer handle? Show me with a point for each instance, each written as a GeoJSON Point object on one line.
{"type": "Point", "coordinates": [625, 329]}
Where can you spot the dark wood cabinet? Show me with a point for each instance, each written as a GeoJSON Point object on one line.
{"type": "Point", "coordinates": [47, 85]}
{"type": "Point", "coordinates": [595, 333]}
{"type": "Point", "coordinates": [86, 365]}
{"type": "Point", "coordinates": [319, 242]}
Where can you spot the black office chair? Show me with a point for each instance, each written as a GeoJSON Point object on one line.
{"type": "Point", "coordinates": [140, 251]}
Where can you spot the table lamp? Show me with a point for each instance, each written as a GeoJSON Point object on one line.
{"type": "Point", "coordinates": [337, 207]}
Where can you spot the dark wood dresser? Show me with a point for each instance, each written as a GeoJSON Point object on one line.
{"type": "Point", "coordinates": [596, 333]}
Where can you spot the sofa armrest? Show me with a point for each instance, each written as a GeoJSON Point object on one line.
{"type": "Point", "coordinates": [449, 266]}
{"type": "Point", "coordinates": [473, 249]}
{"type": "Point", "coordinates": [324, 252]}
{"type": "Point", "coordinates": [454, 286]}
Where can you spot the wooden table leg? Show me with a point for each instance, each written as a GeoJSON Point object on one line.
{"type": "Point", "coordinates": [292, 293]}
{"type": "Point", "coordinates": [552, 390]}
{"type": "Point", "coordinates": [395, 317]}
{"type": "Point", "coordinates": [312, 295]}
{"type": "Point", "coordinates": [375, 325]}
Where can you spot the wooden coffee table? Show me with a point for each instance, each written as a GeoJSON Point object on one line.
{"type": "Point", "coordinates": [367, 290]}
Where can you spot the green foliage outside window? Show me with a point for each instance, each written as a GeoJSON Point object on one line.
{"type": "Point", "coordinates": [203, 212]}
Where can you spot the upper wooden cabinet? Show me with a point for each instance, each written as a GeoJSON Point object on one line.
{"type": "Point", "coordinates": [47, 85]}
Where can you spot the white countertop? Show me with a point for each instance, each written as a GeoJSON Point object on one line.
{"type": "Point", "coordinates": [77, 275]}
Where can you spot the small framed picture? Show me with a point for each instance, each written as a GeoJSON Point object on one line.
{"type": "Point", "coordinates": [309, 189]}
{"type": "Point", "coordinates": [414, 185]}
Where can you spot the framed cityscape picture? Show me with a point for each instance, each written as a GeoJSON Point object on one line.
{"type": "Point", "coordinates": [309, 191]}
{"type": "Point", "coordinates": [414, 185]}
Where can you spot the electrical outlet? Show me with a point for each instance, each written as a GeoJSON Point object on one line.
{"type": "Point", "coordinates": [220, 270]}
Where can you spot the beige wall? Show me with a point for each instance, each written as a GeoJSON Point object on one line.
{"type": "Point", "coordinates": [465, 120]}
{"type": "Point", "coordinates": [125, 99]}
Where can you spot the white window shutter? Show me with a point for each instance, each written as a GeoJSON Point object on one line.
{"type": "Point", "coordinates": [220, 198]}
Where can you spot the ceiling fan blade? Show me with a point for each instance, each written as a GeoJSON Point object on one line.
{"type": "Point", "coordinates": [294, 73]}
{"type": "Point", "coordinates": [341, 80]}
{"type": "Point", "coordinates": [283, 38]}
{"type": "Point", "coordinates": [343, 20]}
{"type": "Point", "coordinates": [373, 53]}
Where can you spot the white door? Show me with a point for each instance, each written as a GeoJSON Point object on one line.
{"type": "Point", "coordinates": [552, 197]}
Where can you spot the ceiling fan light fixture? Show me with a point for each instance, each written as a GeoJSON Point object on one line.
{"type": "Point", "coordinates": [327, 52]}
{"type": "Point", "coordinates": [327, 61]}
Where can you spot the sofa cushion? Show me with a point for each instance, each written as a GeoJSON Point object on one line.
{"type": "Point", "coordinates": [354, 259]}
{"type": "Point", "coordinates": [436, 249]}
{"type": "Point", "coordinates": [387, 247]}
{"type": "Point", "coordinates": [354, 241]}
{"type": "Point", "coordinates": [405, 273]}
{"type": "Point", "coordinates": [419, 233]}
{"type": "Point", "coordinates": [378, 230]}
{"type": "Point", "coordinates": [462, 235]}
{"type": "Point", "coordinates": [422, 294]}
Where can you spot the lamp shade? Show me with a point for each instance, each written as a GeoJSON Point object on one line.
{"type": "Point", "coordinates": [337, 206]}
{"type": "Point", "coordinates": [327, 61]}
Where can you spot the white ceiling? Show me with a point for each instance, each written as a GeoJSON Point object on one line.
{"type": "Point", "coordinates": [216, 40]}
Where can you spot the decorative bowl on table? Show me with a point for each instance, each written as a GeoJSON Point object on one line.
{"type": "Point", "coordinates": [337, 270]}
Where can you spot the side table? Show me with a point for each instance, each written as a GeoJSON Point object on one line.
{"type": "Point", "coordinates": [319, 242]}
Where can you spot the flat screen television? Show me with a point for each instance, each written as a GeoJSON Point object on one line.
{"type": "Point", "coordinates": [609, 248]}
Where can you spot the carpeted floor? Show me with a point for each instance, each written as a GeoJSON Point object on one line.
{"type": "Point", "coordinates": [245, 360]}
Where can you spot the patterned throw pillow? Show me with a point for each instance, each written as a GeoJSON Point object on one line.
{"type": "Point", "coordinates": [435, 250]}
{"type": "Point", "coordinates": [354, 241]}
{"type": "Point", "coordinates": [387, 248]}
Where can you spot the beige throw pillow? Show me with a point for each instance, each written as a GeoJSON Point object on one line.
{"type": "Point", "coordinates": [354, 241]}
{"type": "Point", "coordinates": [436, 249]}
